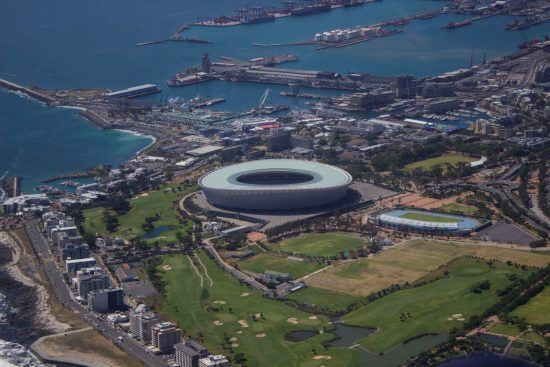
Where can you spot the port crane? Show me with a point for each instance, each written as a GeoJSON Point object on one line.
{"type": "Point", "coordinates": [263, 100]}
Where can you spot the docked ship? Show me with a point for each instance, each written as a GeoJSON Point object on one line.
{"type": "Point", "coordinates": [259, 19]}
{"type": "Point", "coordinates": [452, 25]}
{"type": "Point", "coordinates": [311, 9]}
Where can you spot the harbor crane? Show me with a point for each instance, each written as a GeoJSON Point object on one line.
{"type": "Point", "coordinates": [263, 99]}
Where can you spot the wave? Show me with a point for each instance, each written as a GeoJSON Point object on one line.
{"type": "Point", "coordinates": [3, 195]}
{"type": "Point", "coordinates": [13, 354]}
{"type": "Point", "coordinates": [136, 133]}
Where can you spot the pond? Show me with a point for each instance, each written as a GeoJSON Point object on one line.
{"type": "Point", "coordinates": [299, 335]}
{"type": "Point", "coordinates": [154, 233]}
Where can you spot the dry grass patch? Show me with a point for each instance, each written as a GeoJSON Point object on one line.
{"type": "Point", "coordinates": [410, 262]}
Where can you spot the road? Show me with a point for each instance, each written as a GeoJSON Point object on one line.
{"type": "Point", "coordinates": [64, 296]}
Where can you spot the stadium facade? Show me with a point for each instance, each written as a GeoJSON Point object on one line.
{"type": "Point", "coordinates": [275, 184]}
{"type": "Point", "coordinates": [456, 226]}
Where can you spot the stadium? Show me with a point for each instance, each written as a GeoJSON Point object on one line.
{"type": "Point", "coordinates": [275, 184]}
{"type": "Point", "coordinates": [426, 222]}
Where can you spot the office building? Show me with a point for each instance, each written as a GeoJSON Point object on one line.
{"type": "Point", "coordinates": [106, 300]}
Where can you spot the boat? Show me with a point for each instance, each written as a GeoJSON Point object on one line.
{"type": "Point", "coordinates": [310, 9]}
{"type": "Point", "coordinates": [452, 25]}
{"type": "Point", "coordinates": [513, 24]}
{"type": "Point", "coordinates": [196, 40]}
{"type": "Point", "coordinates": [259, 19]}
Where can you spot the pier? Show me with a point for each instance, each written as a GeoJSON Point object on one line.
{"type": "Point", "coordinates": [31, 93]}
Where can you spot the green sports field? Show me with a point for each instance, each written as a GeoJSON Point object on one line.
{"type": "Point", "coordinates": [161, 202]}
{"type": "Point", "coordinates": [459, 208]}
{"type": "Point", "coordinates": [432, 308]}
{"type": "Point", "coordinates": [505, 329]}
{"type": "Point", "coordinates": [279, 263]}
{"type": "Point", "coordinates": [537, 310]}
{"type": "Point", "coordinates": [223, 317]}
{"type": "Point", "coordinates": [429, 217]}
{"type": "Point", "coordinates": [443, 160]}
{"type": "Point", "coordinates": [323, 299]}
{"type": "Point", "coordinates": [320, 244]}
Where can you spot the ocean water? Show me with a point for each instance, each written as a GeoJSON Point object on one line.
{"type": "Point", "coordinates": [71, 44]}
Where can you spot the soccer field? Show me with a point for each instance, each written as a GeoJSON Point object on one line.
{"type": "Point", "coordinates": [320, 244]}
{"type": "Point", "coordinates": [429, 217]}
{"type": "Point", "coordinates": [279, 263]}
{"type": "Point", "coordinates": [433, 308]}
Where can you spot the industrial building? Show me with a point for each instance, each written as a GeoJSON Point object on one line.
{"type": "Point", "coordinates": [275, 184]}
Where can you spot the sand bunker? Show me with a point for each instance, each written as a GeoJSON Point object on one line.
{"type": "Point", "coordinates": [239, 332]}
{"type": "Point", "coordinates": [245, 294]}
{"type": "Point", "coordinates": [292, 320]}
{"type": "Point", "coordinates": [243, 323]}
{"type": "Point", "coordinates": [258, 315]}
{"type": "Point", "coordinates": [220, 302]}
{"type": "Point", "coordinates": [322, 357]}
{"type": "Point", "coordinates": [312, 317]}
{"type": "Point", "coordinates": [461, 319]}
{"type": "Point", "coordinates": [233, 339]}
{"type": "Point", "coordinates": [457, 315]}
{"type": "Point", "coordinates": [166, 267]}
{"type": "Point", "coordinates": [217, 322]}
{"type": "Point", "coordinates": [234, 345]}
{"type": "Point", "coordinates": [260, 335]}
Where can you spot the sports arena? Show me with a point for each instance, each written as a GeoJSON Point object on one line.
{"type": "Point", "coordinates": [275, 184]}
{"type": "Point", "coordinates": [427, 222]}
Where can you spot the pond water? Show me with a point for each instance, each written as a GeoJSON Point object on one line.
{"type": "Point", "coordinates": [299, 335]}
{"type": "Point", "coordinates": [154, 233]}
{"type": "Point", "coordinates": [350, 335]}
{"type": "Point", "coordinates": [486, 360]}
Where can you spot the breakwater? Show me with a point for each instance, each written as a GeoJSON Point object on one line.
{"type": "Point", "coordinates": [17, 88]}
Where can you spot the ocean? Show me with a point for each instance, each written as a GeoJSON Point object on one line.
{"type": "Point", "coordinates": [72, 44]}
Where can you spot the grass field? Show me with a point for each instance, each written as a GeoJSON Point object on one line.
{"type": "Point", "coordinates": [505, 329]}
{"type": "Point", "coordinates": [459, 208]}
{"type": "Point", "coordinates": [323, 299]}
{"type": "Point", "coordinates": [443, 160]}
{"type": "Point", "coordinates": [409, 262]}
{"type": "Point", "coordinates": [233, 307]}
{"type": "Point", "coordinates": [429, 217]}
{"type": "Point", "coordinates": [432, 308]}
{"type": "Point", "coordinates": [320, 244]}
{"type": "Point", "coordinates": [159, 202]}
{"type": "Point", "coordinates": [537, 310]}
{"type": "Point", "coordinates": [534, 337]}
{"type": "Point", "coordinates": [266, 261]}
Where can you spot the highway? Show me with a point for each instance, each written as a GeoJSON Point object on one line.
{"type": "Point", "coordinates": [64, 296]}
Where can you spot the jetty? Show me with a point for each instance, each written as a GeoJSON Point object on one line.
{"type": "Point", "coordinates": [31, 93]}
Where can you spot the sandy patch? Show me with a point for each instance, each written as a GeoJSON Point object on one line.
{"type": "Point", "coordinates": [460, 319]}
{"type": "Point", "coordinates": [450, 319]}
{"type": "Point", "coordinates": [233, 339]}
{"type": "Point", "coordinates": [245, 294]}
{"type": "Point", "coordinates": [217, 322]}
{"type": "Point", "coordinates": [243, 323]}
{"type": "Point", "coordinates": [260, 335]}
{"type": "Point", "coordinates": [239, 332]}
{"type": "Point", "coordinates": [220, 302]}
{"type": "Point", "coordinates": [326, 358]}
{"type": "Point", "coordinates": [145, 194]}
{"type": "Point", "coordinates": [292, 320]}
{"type": "Point", "coordinates": [312, 317]}
{"type": "Point", "coordinates": [235, 345]}
{"type": "Point", "coordinates": [258, 315]}
{"type": "Point", "coordinates": [457, 315]}
{"type": "Point", "coordinates": [166, 267]}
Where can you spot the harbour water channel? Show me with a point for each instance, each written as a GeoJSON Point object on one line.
{"type": "Point", "coordinates": [82, 45]}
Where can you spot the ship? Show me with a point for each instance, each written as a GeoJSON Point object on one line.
{"type": "Point", "coordinates": [259, 19]}
{"type": "Point", "coordinates": [199, 102]}
{"type": "Point", "coordinates": [310, 9]}
{"type": "Point", "coordinates": [196, 40]}
{"type": "Point", "coordinates": [452, 25]}
{"type": "Point", "coordinates": [513, 24]}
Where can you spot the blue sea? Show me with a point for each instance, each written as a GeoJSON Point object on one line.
{"type": "Point", "coordinates": [74, 44]}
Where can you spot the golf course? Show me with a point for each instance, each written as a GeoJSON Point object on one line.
{"type": "Point", "coordinates": [279, 263]}
{"type": "Point", "coordinates": [432, 308]}
{"type": "Point", "coordinates": [211, 306]}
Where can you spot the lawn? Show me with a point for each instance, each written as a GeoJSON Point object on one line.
{"type": "Point", "coordinates": [432, 308]}
{"type": "Point", "coordinates": [223, 317]}
{"type": "Point", "coordinates": [161, 202]}
{"type": "Point", "coordinates": [459, 208]}
{"type": "Point", "coordinates": [267, 261]}
{"type": "Point", "coordinates": [505, 329]}
{"type": "Point", "coordinates": [323, 299]}
{"type": "Point", "coordinates": [320, 244]}
{"type": "Point", "coordinates": [408, 263]}
{"type": "Point", "coordinates": [443, 160]}
{"type": "Point", "coordinates": [534, 337]}
{"type": "Point", "coordinates": [429, 217]}
{"type": "Point", "coordinates": [537, 310]}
